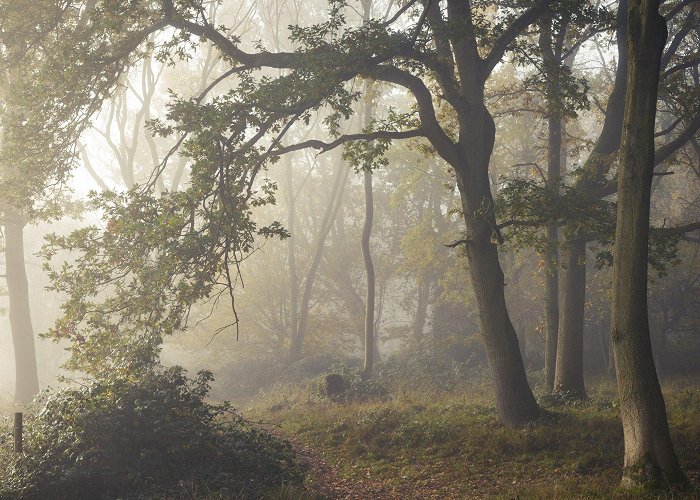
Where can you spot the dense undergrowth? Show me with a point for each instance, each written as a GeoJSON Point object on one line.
{"type": "Point", "coordinates": [151, 434]}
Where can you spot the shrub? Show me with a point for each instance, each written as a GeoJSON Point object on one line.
{"type": "Point", "coordinates": [355, 387]}
{"type": "Point", "coordinates": [147, 435]}
{"type": "Point", "coordinates": [442, 362]}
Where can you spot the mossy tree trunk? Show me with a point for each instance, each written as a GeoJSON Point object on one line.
{"type": "Point", "coordinates": [649, 454]}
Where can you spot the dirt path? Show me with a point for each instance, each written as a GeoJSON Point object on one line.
{"type": "Point", "coordinates": [327, 480]}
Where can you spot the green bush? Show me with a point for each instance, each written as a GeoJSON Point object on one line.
{"type": "Point", "coordinates": [147, 435]}
{"type": "Point", "coordinates": [442, 362]}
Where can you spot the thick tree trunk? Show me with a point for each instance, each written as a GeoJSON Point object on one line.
{"type": "Point", "coordinates": [522, 342]}
{"type": "Point", "coordinates": [649, 455]}
{"type": "Point", "coordinates": [568, 376]}
{"type": "Point", "coordinates": [27, 381]}
{"type": "Point", "coordinates": [515, 402]}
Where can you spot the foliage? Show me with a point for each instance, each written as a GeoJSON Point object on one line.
{"type": "Point", "coordinates": [525, 206]}
{"type": "Point", "coordinates": [450, 445]}
{"type": "Point", "coordinates": [436, 363]}
{"type": "Point", "coordinates": [137, 279]}
{"type": "Point", "coordinates": [356, 387]}
{"type": "Point", "coordinates": [148, 434]}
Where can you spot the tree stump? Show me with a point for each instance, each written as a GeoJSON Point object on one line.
{"type": "Point", "coordinates": [333, 385]}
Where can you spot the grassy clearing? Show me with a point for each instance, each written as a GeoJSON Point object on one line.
{"type": "Point", "coordinates": [450, 445]}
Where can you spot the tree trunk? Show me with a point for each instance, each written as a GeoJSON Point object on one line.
{"type": "Point", "coordinates": [649, 454]}
{"type": "Point", "coordinates": [27, 381]}
{"type": "Point", "coordinates": [369, 269]}
{"type": "Point", "coordinates": [515, 402]}
{"type": "Point", "coordinates": [421, 308]}
{"type": "Point", "coordinates": [551, 48]}
{"type": "Point", "coordinates": [551, 283]}
{"type": "Point", "coordinates": [370, 341]}
{"type": "Point", "coordinates": [572, 289]}
{"type": "Point", "coordinates": [568, 376]}
{"type": "Point", "coordinates": [291, 254]}
{"type": "Point", "coordinates": [329, 217]}
{"type": "Point", "coordinates": [522, 342]}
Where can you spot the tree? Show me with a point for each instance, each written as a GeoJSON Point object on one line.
{"type": "Point", "coordinates": [16, 65]}
{"type": "Point", "coordinates": [582, 209]}
{"type": "Point", "coordinates": [234, 136]}
{"type": "Point", "coordinates": [649, 454]}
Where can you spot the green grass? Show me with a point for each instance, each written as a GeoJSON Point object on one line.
{"type": "Point", "coordinates": [447, 445]}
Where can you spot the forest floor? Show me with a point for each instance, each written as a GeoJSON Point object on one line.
{"type": "Point", "coordinates": [451, 446]}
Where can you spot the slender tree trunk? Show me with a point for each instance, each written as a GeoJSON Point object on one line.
{"type": "Point", "coordinates": [291, 253]}
{"type": "Point", "coordinates": [370, 343]}
{"type": "Point", "coordinates": [515, 402]}
{"type": "Point", "coordinates": [329, 217]}
{"type": "Point", "coordinates": [369, 270]}
{"type": "Point", "coordinates": [568, 376]}
{"type": "Point", "coordinates": [551, 48]}
{"type": "Point", "coordinates": [649, 454]}
{"type": "Point", "coordinates": [421, 308]}
{"type": "Point", "coordinates": [551, 283]}
{"type": "Point", "coordinates": [27, 381]}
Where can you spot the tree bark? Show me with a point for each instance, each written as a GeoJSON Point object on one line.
{"type": "Point", "coordinates": [572, 288]}
{"type": "Point", "coordinates": [27, 379]}
{"type": "Point", "coordinates": [568, 377]}
{"type": "Point", "coordinates": [423, 297]}
{"type": "Point", "coordinates": [551, 283]}
{"type": "Point", "coordinates": [551, 49]}
{"type": "Point", "coordinates": [649, 454]}
{"type": "Point", "coordinates": [291, 253]}
{"type": "Point", "coordinates": [370, 342]}
{"type": "Point", "coordinates": [515, 402]}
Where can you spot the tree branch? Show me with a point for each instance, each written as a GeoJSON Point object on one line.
{"type": "Point", "coordinates": [327, 146]}
{"type": "Point", "coordinates": [511, 33]}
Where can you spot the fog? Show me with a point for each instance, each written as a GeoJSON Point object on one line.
{"type": "Point", "coordinates": [319, 203]}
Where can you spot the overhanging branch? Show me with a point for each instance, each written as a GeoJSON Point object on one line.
{"type": "Point", "coordinates": [323, 147]}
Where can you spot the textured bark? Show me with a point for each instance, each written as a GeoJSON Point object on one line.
{"type": "Point", "coordinates": [27, 381]}
{"type": "Point", "coordinates": [649, 454]}
{"type": "Point", "coordinates": [515, 402]}
{"type": "Point", "coordinates": [568, 376]}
